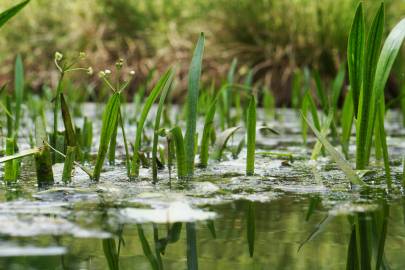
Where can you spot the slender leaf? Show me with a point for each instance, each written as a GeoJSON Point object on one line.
{"type": "Point", "coordinates": [192, 101]}
{"type": "Point", "coordinates": [144, 114]}
{"type": "Point", "coordinates": [355, 55]}
{"type": "Point", "coordinates": [163, 96]}
{"type": "Point", "coordinates": [110, 117]}
{"type": "Point", "coordinates": [67, 121]}
{"type": "Point", "coordinates": [9, 13]}
{"type": "Point", "coordinates": [19, 91]}
{"type": "Point", "coordinates": [364, 131]}
{"type": "Point", "coordinates": [177, 136]}
{"type": "Point", "coordinates": [251, 136]}
{"type": "Point", "coordinates": [208, 126]}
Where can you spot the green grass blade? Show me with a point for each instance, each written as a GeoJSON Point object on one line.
{"type": "Point", "coordinates": [113, 144]}
{"type": "Point", "coordinates": [208, 126]}
{"type": "Point", "coordinates": [4, 108]}
{"type": "Point", "coordinates": [9, 13]}
{"type": "Point", "coordinates": [337, 86]}
{"type": "Point", "coordinates": [355, 55]}
{"type": "Point", "coordinates": [388, 54]}
{"type": "Point", "coordinates": [67, 121]}
{"type": "Point", "coordinates": [68, 165]}
{"type": "Point", "coordinates": [365, 131]}
{"type": "Point", "coordinates": [192, 101]}
{"type": "Point", "coordinates": [124, 136]}
{"type": "Point", "coordinates": [296, 89]}
{"type": "Point", "coordinates": [10, 168]}
{"type": "Point", "coordinates": [19, 91]}
{"type": "Point", "coordinates": [347, 122]}
{"type": "Point", "coordinates": [251, 136]}
{"type": "Point", "coordinates": [320, 90]}
{"type": "Point", "coordinates": [336, 156]}
{"type": "Point", "coordinates": [110, 117]}
{"type": "Point", "coordinates": [177, 136]}
{"type": "Point", "coordinates": [144, 114]}
{"type": "Point", "coordinates": [383, 143]}
{"type": "Point", "coordinates": [162, 99]}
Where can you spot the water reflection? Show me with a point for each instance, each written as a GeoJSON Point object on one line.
{"type": "Point", "coordinates": [287, 233]}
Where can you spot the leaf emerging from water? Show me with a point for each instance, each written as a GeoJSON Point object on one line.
{"type": "Point", "coordinates": [192, 101]}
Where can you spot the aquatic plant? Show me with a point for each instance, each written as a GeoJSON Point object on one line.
{"type": "Point", "coordinates": [191, 103]}
{"type": "Point", "coordinates": [162, 84]}
{"type": "Point", "coordinates": [165, 92]}
{"type": "Point", "coordinates": [64, 66]}
{"type": "Point", "coordinates": [251, 136]}
{"type": "Point", "coordinates": [369, 68]}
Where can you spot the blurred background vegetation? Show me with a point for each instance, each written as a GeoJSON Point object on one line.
{"type": "Point", "coordinates": [273, 37]}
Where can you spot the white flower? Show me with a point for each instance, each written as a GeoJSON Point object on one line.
{"type": "Point", "coordinates": [90, 70]}
{"type": "Point", "coordinates": [107, 71]}
{"type": "Point", "coordinates": [132, 73]}
{"type": "Point", "coordinates": [101, 74]}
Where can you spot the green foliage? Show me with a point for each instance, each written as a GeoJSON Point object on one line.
{"type": "Point", "coordinates": [110, 117]}
{"type": "Point", "coordinates": [68, 165]}
{"type": "Point", "coordinates": [208, 127]}
{"type": "Point", "coordinates": [192, 102]}
{"type": "Point", "coordinates": [156, 128]}
{"type": "Point", "coordinates": [364, 126]}
{"type": "Point", "coordinates": [368, 76]}
{"type": "Point", "coordinates": [355, 55]}
{"type": "Point", "coordinates": [11, 12]}
{"type": "Point", "coordinates": [19, 91]}
{"type": "Point", "coordinates": [161, 84]}
{"type": "Point", "coordinates": [177, 136]}
{"type": "Point", "coordinates": [251, 136]}
{"type": "Point", "coordinates": [11, 167]}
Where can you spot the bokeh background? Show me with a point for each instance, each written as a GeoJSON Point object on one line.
{"type": "Point", "coordinates": [273, 37]}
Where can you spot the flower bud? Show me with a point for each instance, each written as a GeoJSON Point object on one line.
{"type": "Point", "coordinates": [58, 56]}
{"type": "Point", "coordinates": [101, 74]}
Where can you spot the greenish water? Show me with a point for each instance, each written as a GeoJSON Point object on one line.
{"type": "Point", "coordinates": [292, 214]}
{"type": "Point", "coordinates": [280, 227]}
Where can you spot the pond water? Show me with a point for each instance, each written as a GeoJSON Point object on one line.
{"type": "Point", "coordinates": [292, 214]}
